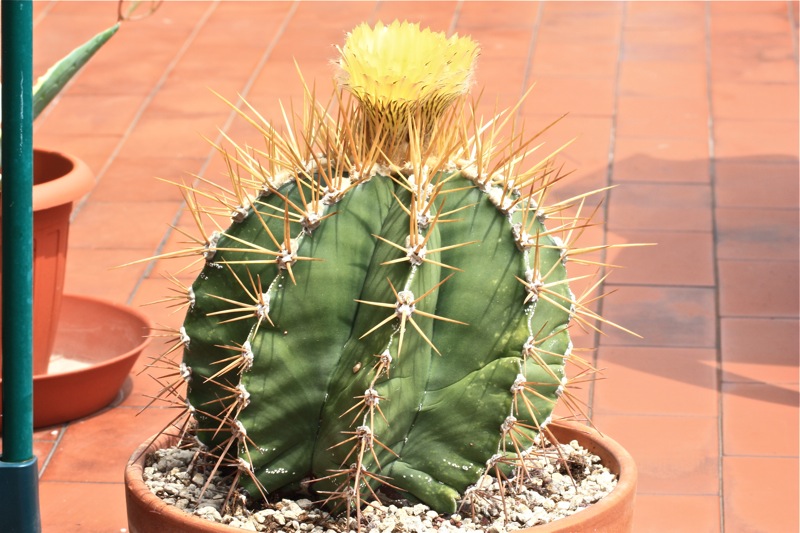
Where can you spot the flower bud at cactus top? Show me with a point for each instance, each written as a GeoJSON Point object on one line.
{"type": "Point", "coordinates": [387, 308]}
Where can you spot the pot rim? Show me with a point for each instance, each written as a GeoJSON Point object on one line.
{"type": "Point", "coordinates": [66, 189]}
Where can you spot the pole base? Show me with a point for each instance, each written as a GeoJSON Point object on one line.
{"type": "Point", "coordinates": [19, 497]}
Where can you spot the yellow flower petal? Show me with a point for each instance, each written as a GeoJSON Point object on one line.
{"type": "Point", "coordinates": [401, 73]}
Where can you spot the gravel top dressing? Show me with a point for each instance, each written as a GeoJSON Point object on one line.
{"type": "Point", "coordinates": [558, 485]}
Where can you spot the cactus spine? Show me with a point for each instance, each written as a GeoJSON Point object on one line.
{"type": "Point", "coordinates": [387, 307]}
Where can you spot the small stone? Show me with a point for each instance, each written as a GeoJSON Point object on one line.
{"type": "Point", "coordinates": [419, 509]}
{"type": "Point", "coordinates": [305, 504]}
{"type": "Point", "coordinates": [209, 513]}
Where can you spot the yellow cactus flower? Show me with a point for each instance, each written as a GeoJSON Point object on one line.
{"type": "Point", "coordinates": [401, 71]}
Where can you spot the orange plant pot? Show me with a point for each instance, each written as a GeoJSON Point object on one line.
{"type": "Point", "coordinates": [58, 180]}
{"type": "Point", "coordinates": [613, 514]}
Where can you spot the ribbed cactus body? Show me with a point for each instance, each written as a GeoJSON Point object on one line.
{"type": "Point", "coordinates": [415, 366]}
{"type": "Point", "coordinates": [386, 308]}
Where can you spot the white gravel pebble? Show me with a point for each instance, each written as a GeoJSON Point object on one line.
{"type": "Point", "coordinates": [549, 495]}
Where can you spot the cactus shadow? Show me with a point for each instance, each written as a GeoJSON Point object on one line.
{"type": "Point", "coordinates": [747, 207]}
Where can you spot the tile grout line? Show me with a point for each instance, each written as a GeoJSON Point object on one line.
{"type": "Point", "coordinates": [715, 262]}
{"type": "Point", "coordinates": [531, 51]}
{"type": "Point", "coordinates": [455, 18]}
{"type": "Point", "coordinates": [52, 452]}
{"type": "Point", "coordinates": [248, 85]}
{"type": "Point", "coordinates": [45, 11]}
{"type": "Point", "coordinates": [609, 178]}
{"type": "Point", "coordinates": [78, 206]}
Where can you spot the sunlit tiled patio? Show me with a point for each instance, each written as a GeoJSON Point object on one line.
{"type": "Point", "coordinates": [690, 109]}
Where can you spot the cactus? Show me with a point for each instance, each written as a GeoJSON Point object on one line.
{"type": "Point", "coordinates": [387, 307]}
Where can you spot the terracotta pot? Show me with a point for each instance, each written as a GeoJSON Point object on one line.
{"type": "Point", "coordinates": [613, 514]}
{"type": "Point", "coordinates": [58, 180]}
{"type": "Point", "coordinates": [96, 345]}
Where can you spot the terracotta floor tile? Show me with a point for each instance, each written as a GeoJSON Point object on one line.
{"type": "Point", "coordinates": [438, 15]}
{"type": "Point", "coordinates": [660, 513]}
{"type": "Point", "coordinates": [758, 288]}
{"type": "Point", "coordinates": [127, 225]}
{"type": "Point", "coordinates": [759, 140]}
{"type": "Point", "coordinates": [576, 96]}
{"type": "Point", "coordinates": [662, 16]}
{"type": "Point", "coordinates": [509, 39]}
{"type": "Point", "coordinates": [139, 179]}
{"type": "Point", "coordinates": [656, 381]}
{"type": "Point", "coordinates": [752, 57]}
{"type": "Point", "coordinates": [748, 507]}
{"type": "Point", "coordinates": [658, 206]}
{"type": "Point", "coordinates": [661, 160]}
{"type": "Point", "coordinates": [760, 350]}
{"type": "Point", "coordinates": [674, 454]}
{"type": "Point", "coordinates": [42, 451]}
{"type": "Point", "coordinates": [109, 115]}
{"type": "Point", "coordinates": [760, 101]}
{"type": "Point", "coordinates": [586, 156]}
{"type": "Point", "coordinates": [499, 15]}
{"type": "Point", "coordinates": [646, 206]}
{"type": "Point", "coordinates": [560, 59]}
{"type": "Point", "coordinates": [659, 37]}
{"type": "Point", "coordinates": [741, 10]}
{"type": "Point", "coordinates": [47, 434]}
{"type": "Point", "coordinates": [760, 419]}
{"type": "Point", "coordinates": [502, 81]}
{"type": "Point", "coordinates": [95, 449]}
{"type": "Point", "coordinates": [671, 118]}
{"type": "Point", "coordinates": [678, 258]}
{"type": "Point", "coordinates": [83, 507]}
{"type": "Point", "coordinates": [647, 44]}
{"type": "Point", "coordinates": [587, 174]}
{"type": "Point", "coordinates": [160, 136]}
{"type": "Point", "coordinates": [587, 22]}
{"type": "Point", "coordinates": [757, 234]}
{"type": "Point", "coordinates": [94, 273]}
{"type": "Point", "coordinates": [666, 79]}
{"type": "Point", "coordinates": [113, 72]}
{"type": "Point", "coordinates": [663, 316]}
{"type": "Point", "coordinates": [747, 18]}
{"type": "Point", "coordinates": [742, 183]}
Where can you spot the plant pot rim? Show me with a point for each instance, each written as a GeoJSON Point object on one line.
{"type": "Point", "coordinates": [613, 513]}
{"type": "Point", "coordinates": [70, 187]}
{"type": "Point", "coordinates": [133, 314]}
{"type": "Point", "coordinates": [66, 395]}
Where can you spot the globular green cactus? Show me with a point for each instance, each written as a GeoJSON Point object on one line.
{"type": "Point", "coordinates": [387, 306]}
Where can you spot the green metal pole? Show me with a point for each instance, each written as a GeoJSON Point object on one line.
{"type": "Point", "coordinates": [19, 494]}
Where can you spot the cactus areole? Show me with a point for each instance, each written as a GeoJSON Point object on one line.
{"type": "Point", "coordinates": [387, 309]}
